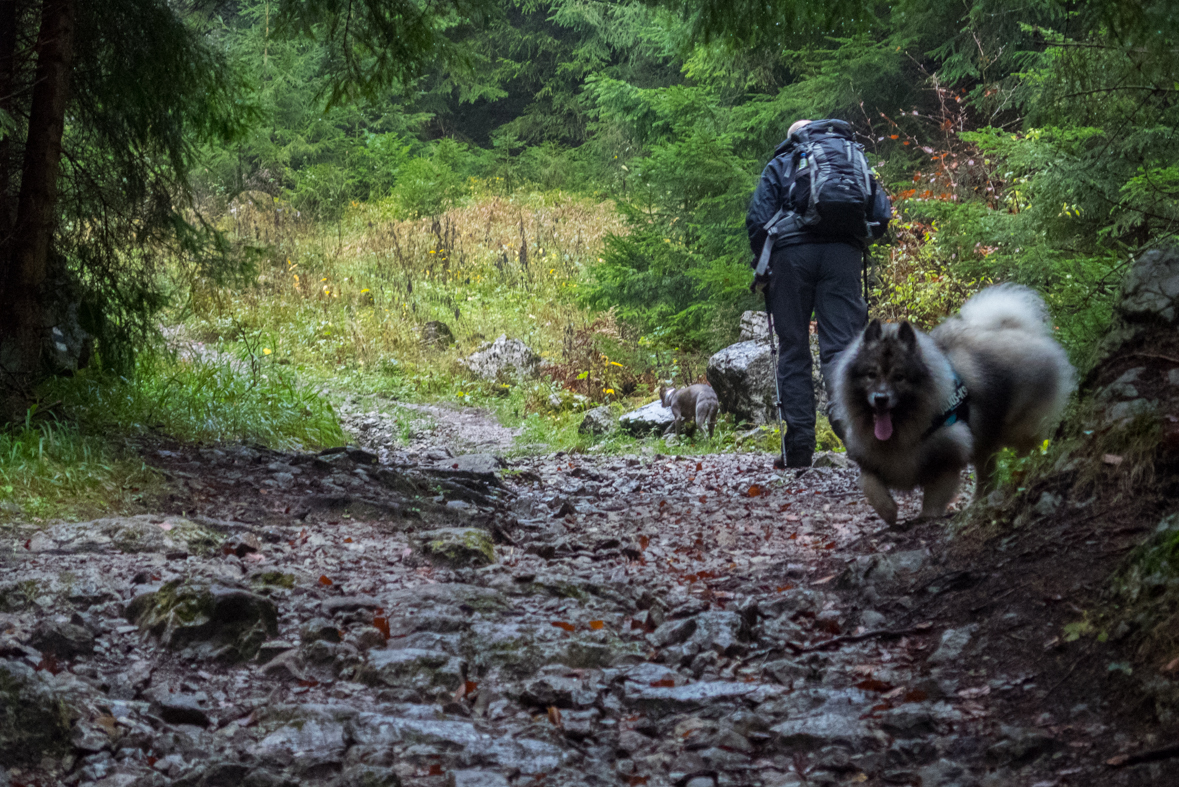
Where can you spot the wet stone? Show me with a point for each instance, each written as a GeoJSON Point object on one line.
{"type": "Point", "coordinates": [183, 709]}
{"type": "Point", "coordinates": [61, 638]}
{"type": "Point", "coordinates": [471, 778]}
{"type": "Point", "coordinates": [208, 621]}
{"type": "Point", "coordinates": [457, 546]}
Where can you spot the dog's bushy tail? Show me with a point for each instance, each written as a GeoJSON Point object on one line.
{"type": "Point", "coordinates": [1006, 307]}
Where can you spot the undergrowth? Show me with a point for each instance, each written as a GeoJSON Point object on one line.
{"type": "Point", "coordinates": [48, 469]}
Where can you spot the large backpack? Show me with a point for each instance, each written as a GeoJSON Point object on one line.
{"type": "Point", "coordinates": [831, 188]}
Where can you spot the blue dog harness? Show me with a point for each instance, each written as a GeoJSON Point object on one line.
{"type": "Point", "coordinates": [957, 409]}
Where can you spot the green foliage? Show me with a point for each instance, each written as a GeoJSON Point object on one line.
{"type": "Point", "coordinates": [49, 468]}
{"type": "Point", "coordinates": [204, 398]}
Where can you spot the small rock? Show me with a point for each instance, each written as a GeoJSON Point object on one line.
{"type": "Point", "coordinates": [470, 778]}
{"type": "Point", "coordinates": [503, 359]}
{"type": "Point", "coordinates": [598, 421]}
{"type": "Point", "coordinates": [831, 459]}
{"type": "Point", "coordinates": [648, 419]}
{"type": "Point", "coordinates": [61, 638]}
{"type": "Point", "coordinates": [457, 546]}
{"type": "Point", "coordinates": [437, 334]}
{"type": "Point", "coordinates": [182, 709]}
{"type": "Point", "coordinates": [212, 622]}
{"type": "Point", "coordinates": [953, 642]}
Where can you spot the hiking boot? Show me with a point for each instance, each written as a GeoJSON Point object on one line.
{"type": "Point", "coordinates": [798, 458]}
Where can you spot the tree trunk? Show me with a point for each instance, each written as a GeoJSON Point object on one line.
{"type": "Point", "coordinates": [7, 154]}
{"type": "Point", "coordinates": [23, 284]}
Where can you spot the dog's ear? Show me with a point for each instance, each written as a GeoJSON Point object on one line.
{"type": "Point", "coordinates": [907, 335]}
{"type": "Point", "coordinates": [874, 331]}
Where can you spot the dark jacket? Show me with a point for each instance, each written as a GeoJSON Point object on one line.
{"type": "Point", "coordinates": [771, 195]}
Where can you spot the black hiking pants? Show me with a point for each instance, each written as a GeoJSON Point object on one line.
{"type": "Point", "coordinates": [823, 279]}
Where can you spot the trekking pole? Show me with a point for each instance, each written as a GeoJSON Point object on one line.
{"type": "Point", "coordinates": [780, 462]}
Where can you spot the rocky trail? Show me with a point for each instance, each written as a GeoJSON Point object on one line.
{"type": "Point", "coordinates": [404, 616]}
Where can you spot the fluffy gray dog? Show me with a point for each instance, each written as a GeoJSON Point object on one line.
{"type": "Point", "coordinates": [695, 403]}
{"type": "Point", "coordinates": [919, 408]}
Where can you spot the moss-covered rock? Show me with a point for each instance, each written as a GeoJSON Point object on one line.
{"type": "Point", "coordinates": [457, 546]}
{"type": "Point", "coordinates": [207, 621]}
{"type": "Point", "coordinates": [37, 710]}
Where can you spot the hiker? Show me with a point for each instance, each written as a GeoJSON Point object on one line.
{"type": "Point", "coordinates": [814, 212]}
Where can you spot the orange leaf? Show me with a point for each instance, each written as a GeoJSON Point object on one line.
{"type": "Point", "coordinates": [564, 626]}
{"type": "Point", "coordinates": [555, 717]}
{"type": "Point", "coordinates": [906, 142]}
{"type": "Point", "coordinates": [699, 466]}
{"type": "Point", "coordinates": [323, 580]}
{"type": "Point", "coordinates": [348, 540]}
{"type": "Point", "coordinates": [830, 546]}
{"type": "Point", "coordinates": [703, 499]}
{"type": "Point", "coordinates": [643, 541]}
{"type": "Point", "coordinates": [755, 491]}
{"type": "Point", "coordinates": [665, 683]}
{"type": "Point", "coordinates": [597, 625]}
{"type": "Point", "coordinates": [471, 686]}
{"type": "Point", "coordinates": [894, 136]}
{"type": "Point", "coordinates": [382, 625]}
{"type": "Point", "coordinates": [784, 588]}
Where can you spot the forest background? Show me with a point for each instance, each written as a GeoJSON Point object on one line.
{"type": "Point", "coordinates": [300, 186]}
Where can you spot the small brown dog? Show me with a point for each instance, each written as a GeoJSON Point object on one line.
{"type": "Point", "coordinates": [696, 403]}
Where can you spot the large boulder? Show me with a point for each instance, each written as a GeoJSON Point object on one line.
{"type": "Point", "coordinates": [503, 359]}
{"type": "Point", "coordinates": [651, 418]}
{"type": "Point", "coordinates": [742, 375]}
{"type": "Point", "coordinates": [225, 623]}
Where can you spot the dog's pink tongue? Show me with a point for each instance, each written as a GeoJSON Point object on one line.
{"type": "Point", "coordinates": [883, 425]}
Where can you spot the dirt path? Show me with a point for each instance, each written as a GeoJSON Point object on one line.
{"type": "Point", "coordinates": [389, 615]}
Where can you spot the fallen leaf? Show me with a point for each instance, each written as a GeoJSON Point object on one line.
{"type": "Point", "coordinates": [435, 768]}
{"type": "Point", "coordinates": [872, 684]}
{"type": "Point", "coordinates": [564, 626]}
{"type": "Point", "coordinates": [323, 580]}
{"type": "Point", "coordinates": [597, 625]}
{"type": "Point", "coordinates": [754, 491]}
{"type": "Point", "coordinates": [381, 623]}
{"type": "Point", "coordinates": [309, 683]}
{"type": "Point", "coordinates": [665, 683]}
{"type": "Point", "coordinates": [699, 466]}
{"type": "Point", "coordinates": [348, 540]}
{"type": "Point", "coordinates": [644, 540]}
{"type": "Point", "coordinates": [825, 579]}
{"type": "Point", "coordinates": [784, 588]}
{"type": "Point", "coordinates": [916, 695]}
{"type": "Point", "coordinates": [793, 518]}
{"type": "Point", "coordinates": [1118, 761]}
{"type": "Point", "coordinates": [555, 717]}
{"type": "Point", "coordinates": [636, 781]}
